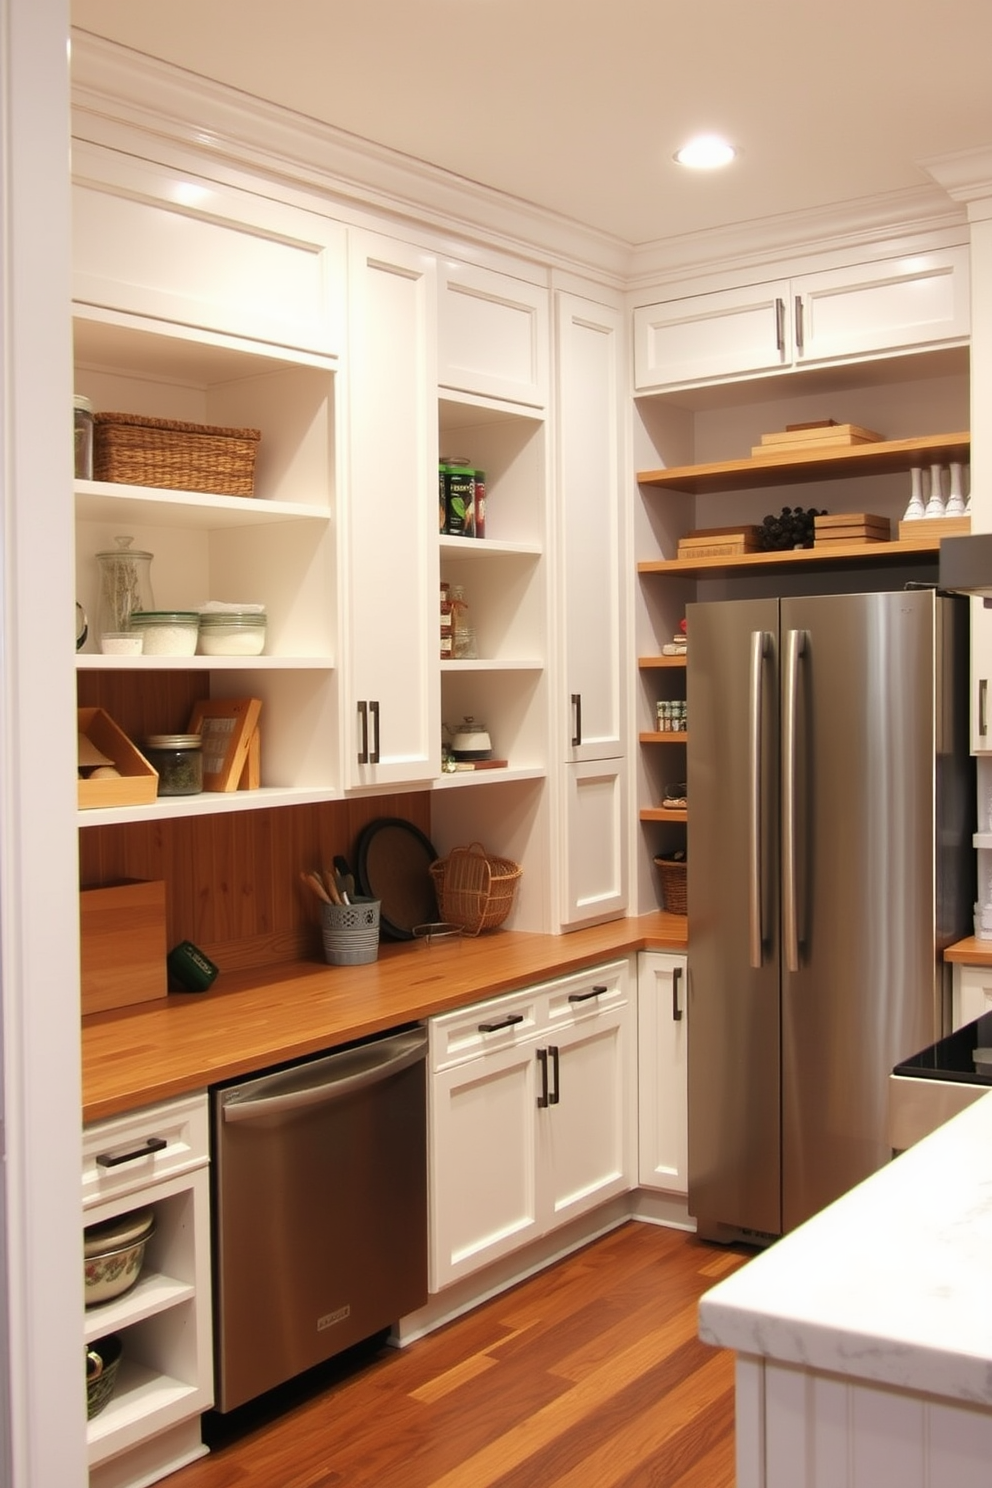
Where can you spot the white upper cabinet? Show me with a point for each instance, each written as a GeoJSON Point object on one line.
{"type": "Point", "coordinates": [392, 712]}
{"type": "Point", "coordinates": [493, 334]}
{"type": "Point", "coordinates": [184, 249]}
{"type": "Point", "coordinates": [864, 310]}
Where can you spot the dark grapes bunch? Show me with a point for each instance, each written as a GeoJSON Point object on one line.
{"type": "Point", "coordinates": [793, 529]}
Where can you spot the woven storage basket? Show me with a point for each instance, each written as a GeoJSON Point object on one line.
{"type": "Point", "coordinates": [474, 889]}
{"type": "Point", "coordinates": [673, 885]}
{"type": "Point", "coordinates": [136, 451]}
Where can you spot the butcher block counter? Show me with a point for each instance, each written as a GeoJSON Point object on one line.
{"type": "Point", "coordinates": [134, 1056]}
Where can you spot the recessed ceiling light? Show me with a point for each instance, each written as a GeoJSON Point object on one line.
{"type": "Point", "coordinates": [705, 152]}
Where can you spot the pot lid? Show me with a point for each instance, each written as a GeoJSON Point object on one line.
{"type": "Point", "coordinates": [111, 1234]}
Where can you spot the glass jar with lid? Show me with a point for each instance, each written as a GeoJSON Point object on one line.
{"type": "Point", "coordinates": [178, 758]}
{"type": "Point", "coordinates": [125, 586]}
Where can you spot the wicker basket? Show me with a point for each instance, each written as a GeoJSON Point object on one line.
{"type": "Point", "coordinates": [136, 451]}
{"type": "Point", "coordinates": [673, 884]}
{"type": "Point", "coordinates": [474, 889]}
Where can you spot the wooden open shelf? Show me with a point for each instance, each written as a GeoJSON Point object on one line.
{"type": "Point", "coordinates": [884, 458]}
{"type": "Point", "coordinates": [662, 813]}
{"type": "Point", "coordinates": [664, 736]}
{"type": "Point", "coordinates": [648, 662]}
{"type": "Point", "coordinates": [909, 550]}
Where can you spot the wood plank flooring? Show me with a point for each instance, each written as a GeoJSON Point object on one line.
{"type": "Point", "coordinates": [589, 1375]}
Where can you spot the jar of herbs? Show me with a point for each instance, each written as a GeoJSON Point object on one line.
{"type": "Point", "coordinates": [178, 758]}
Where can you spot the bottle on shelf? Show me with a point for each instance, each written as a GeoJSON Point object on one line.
{"type": "Point", "coordinates": [447, 622]}
{"type": "Point", "coordinates": [463, 645]}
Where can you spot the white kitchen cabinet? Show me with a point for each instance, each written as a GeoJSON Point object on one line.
{"type": "Point", "coordinates": [594, 846]}
{"type": "Point", "coordinates": [971, 993]}
{"type": "Point", "coordinates": [186, 250]}
{"type": "Point", "coordinates": [865, 310]}
{"type": "Point", "coordinates": [392, 722]}
{"type": "Point", "coordinates": [156, 1158]}
{"type": "Point", "coordinates": [981, 678]}
{"type": "Point", "coordinates": [277, 548]}
{"type": "Point", "coordinates": [662, 1040]}
{"type": "Point", "coordinates": [492, 334]}
{"type": "Point", "coordinates": [532, 1116]}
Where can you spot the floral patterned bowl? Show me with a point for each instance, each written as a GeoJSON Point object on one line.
{"type": "Point", "coordinates": [113, 1255]}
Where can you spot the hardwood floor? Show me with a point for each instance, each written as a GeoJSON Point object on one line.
{"type": "Point", "coordinates": [589, 1375]}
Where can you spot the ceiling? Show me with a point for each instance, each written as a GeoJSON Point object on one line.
{"type": "Point", "coordinates": [578, 105]}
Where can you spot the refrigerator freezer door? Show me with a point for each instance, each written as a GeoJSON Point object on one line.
{"type": "Point", "coordinates": [858, 746]}
{"type": "Point", "coordinates": [733, 1010]}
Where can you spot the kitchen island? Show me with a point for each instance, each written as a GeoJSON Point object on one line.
{"type": "Point", "coordinates": [864, 1338]}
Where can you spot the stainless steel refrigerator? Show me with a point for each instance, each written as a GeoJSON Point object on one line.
{"type": "Point", "coordinates": [831, 806]}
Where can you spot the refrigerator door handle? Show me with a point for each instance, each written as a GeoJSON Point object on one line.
{"type": "Point", "coordinates": [760, 645]}
{"type": "Point", "coordinates": [795, 648]}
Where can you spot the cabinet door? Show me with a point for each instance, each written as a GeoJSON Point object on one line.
{"type": "Point", "coordinates": [971, 994]}
{"type": "Point", "coordinates": [392, 710]}
{"type": "Point", "coordinates": [493, 335]}
{"type": "Point", "coordinates": [662, 1035]}
{"type": "Point", "coordinates": [981, 678]}
{"type": "Point", "coordinates": [192, 252]}
{"type": "Point", "coordinates": [712, 337]}
{"type": "Point", "coordinates": [586, 1133]}
{"type": "Point", "coordinates": [594, 867]}
{"type": "Point", "coordinates": [892, 305]}
{"type": "Point", "coordinates": [589, 344]}
{"type": "Point", "coordinates": [483, 1180]}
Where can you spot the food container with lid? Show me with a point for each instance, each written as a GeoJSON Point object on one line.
{"type": "Point", "coordinates": [82, 420]}
{"type": "Point", "coordinates": [232, 632]}
{"type": "Point", "coordinates": [167, 632]}
{"type": "Point", "coordinates": [113, 1254]}
{"type": "Point", "coordinates": [178, 758]}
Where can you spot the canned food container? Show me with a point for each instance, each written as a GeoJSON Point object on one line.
{"type": "Point", "coordinates": [178, 758]}
{"type": "Point", "coordinates": [167, 632]}
{"type": "Point", "coordinates": [232, 633]}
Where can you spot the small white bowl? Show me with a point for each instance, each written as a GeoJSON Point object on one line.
{"type": "Point", "coordinates": [122, 643]}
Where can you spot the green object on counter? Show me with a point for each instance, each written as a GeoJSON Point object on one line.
{"type": "Point", "coordinates": [190, 967]}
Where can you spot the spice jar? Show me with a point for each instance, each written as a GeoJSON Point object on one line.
{"type": "Point", "coordinates": [178, 758]}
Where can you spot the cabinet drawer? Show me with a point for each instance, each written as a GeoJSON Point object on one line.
{"type": "Point", "coordinates": [482, 1028]}
{"type": "Point", "coordinates": [972, 993]}
{"type": "Point", "coordinates": [127, 1153]}
{"type": "Point", "coordinates": [587, 993]}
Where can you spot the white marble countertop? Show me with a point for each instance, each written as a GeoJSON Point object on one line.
{"type": "Point", "coordinates": [892, 1283]}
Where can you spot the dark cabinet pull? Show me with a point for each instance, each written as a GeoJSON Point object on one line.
{"type": "Point", "coordinates": [983, 703]}
{"type": "Point", "coordinates": [363, 714]}
{"type": "Point", "coordinates": [585, 996]}
{"type": "Point", "coordinates": [506, 1022]}
{"type": "Point", "coordinates": [553, 1097]}
{"type": "Point", "coordinates": [114, 1159]}
{"type": "Point", "coordinates": [577, 706]}
{"type": "Point", "coordinates": [799, 323]}
{"type": "Point", "coordinates": [374, 710]}
{"type": "Point", "coordinates": [780, 325]}
{"type": "Point", "coordinates": [542, 1059]}
{"type": "Point", "coordinates": [676, 1008]}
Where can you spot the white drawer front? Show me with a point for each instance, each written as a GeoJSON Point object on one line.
{"type": "Point", "coordinates": [483, 1028]}
{"type": "Point", "coordinates": [127, 1153]}
{"type": "Point", "coordinates": [588, 993]}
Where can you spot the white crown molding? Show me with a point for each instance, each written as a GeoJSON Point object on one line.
{"type": "Point", "coordinates": [116, 91]}
{"type": "Point", "coordinates": [112, 85]}
{"type": "Point", "coordinates": [967, 177]}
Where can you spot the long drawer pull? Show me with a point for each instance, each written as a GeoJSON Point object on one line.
{"type": "Point", "coordinates": [542, 1059]}
{"type": "Point", "coordinates": [676, 1007]}
{"type": "Point", "coordinates": [506, 1022]}
{"type": "Point", "coordinates": [554, 1096]}
{"type": "Point", "coordinates": [114, 1159]}
{"type": "Point", "coordinates": [585, 996]}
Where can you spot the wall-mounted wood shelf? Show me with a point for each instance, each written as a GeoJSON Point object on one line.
{"type": "Point", "coordinates": [646, 663]}
{"type": "Point", "coordinates": [664, 736]}
{"type": "Point", "coordinates": [915, 550]}
{"type": "Point", "coordinates": [884, 458]}
{"type": "Point", "coordinates": [663, 813]}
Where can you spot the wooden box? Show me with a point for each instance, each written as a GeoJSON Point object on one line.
{"type": "Point", "coordinates": [935, 527]}
{"type": "Point", "coordinates": [850, 527]}
{"type": "Point", "coordinates": [122, 945]}
{"type": "Point", "coordinates": [137, 782]}
{"type": "Point", "coordinates": [717, 542]}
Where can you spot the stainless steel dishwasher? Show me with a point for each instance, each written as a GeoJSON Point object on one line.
{"type": "Point", "coordinates": [320, 1209]}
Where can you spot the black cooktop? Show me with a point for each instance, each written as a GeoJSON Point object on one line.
{"type": "Point", "coordinates": [950, 1058]}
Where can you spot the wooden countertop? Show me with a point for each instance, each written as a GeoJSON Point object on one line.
{"type": "Point", "coordinates": [970, 952]}
{"type": "Point", "coordinates": [153, 1051]}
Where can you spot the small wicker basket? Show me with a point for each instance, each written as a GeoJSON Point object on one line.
{"type": "Point", "coordinates": [474, 889]}
{"type": "Point", "coordinates": [136, 451]}
{"type": "Point", "coordinates": [672, 873]}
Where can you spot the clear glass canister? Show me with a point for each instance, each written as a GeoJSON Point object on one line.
{"type": "Point", "coordinates": [125, 586]}
{"type": "Point", "coordinates": [82, 428]}
{"type": "Point", "coordinates": [178, 758]}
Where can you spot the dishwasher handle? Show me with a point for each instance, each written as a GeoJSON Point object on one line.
{"type": "Point", "coordinates": [326, 1079]}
